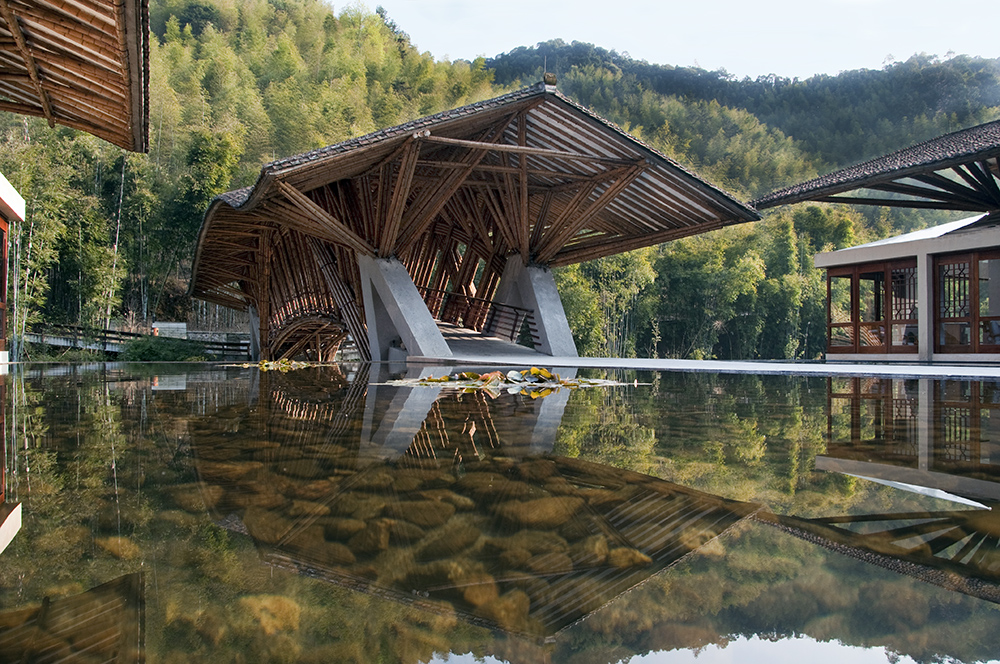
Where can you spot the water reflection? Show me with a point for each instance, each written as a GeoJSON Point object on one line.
{"type": "Point", "coordinates": [893, 432]}
{"type": "Point", "coordinates": [463, 518]}
{"type": "Point", "coordinates": [104, 624]}
{"type": "Point", "coordinates": [10, 512]}
{"type": "Point", "coordinates": [398, 522]}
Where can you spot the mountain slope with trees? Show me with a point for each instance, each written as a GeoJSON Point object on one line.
{"type": "Point", "coordinates": [111, 236]}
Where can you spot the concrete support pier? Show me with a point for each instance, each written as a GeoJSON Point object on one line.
{"type": "Point", "coordinates": [399, 324]}
{"type": "Point", "coordinates": [533, 287]}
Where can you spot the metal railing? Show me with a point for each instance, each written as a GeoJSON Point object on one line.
{"type": "Point", "coordinates": [479, 314]}
{"type": "Point", "coordinates": [114, 341]}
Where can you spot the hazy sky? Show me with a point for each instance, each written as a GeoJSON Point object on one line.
{"type": "Point", "coordinates": [795, 38]}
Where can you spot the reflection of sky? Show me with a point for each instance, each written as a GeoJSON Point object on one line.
{"type": "Point", "coordinates": [785, 651]}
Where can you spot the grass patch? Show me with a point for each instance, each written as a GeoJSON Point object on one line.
{"type": "Point", "coordinates": [163, 349]}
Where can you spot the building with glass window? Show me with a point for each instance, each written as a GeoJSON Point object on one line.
{"type": "Point", "coordinates": [929, 295]}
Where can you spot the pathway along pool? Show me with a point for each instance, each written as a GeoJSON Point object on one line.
{"type": "Point", "coordinates": [203, 513]}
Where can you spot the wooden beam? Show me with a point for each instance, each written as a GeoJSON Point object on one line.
{"type": "Point", "coordinates": [497, 168]}
{"type": "Point", "coordinates": [347, 302]}
{"type": "Point", "coordinates": [985, 177]}
{"type": "Point", "coordinates": [543, 213]}
{"type": "Point", "coordinates": [263, 283]}
{"type": "Point", "coordinates": [941, 182]}
{"type": "Point", "coordinates": [520, 149]}
{"type": "Point", "coordinates": [572, 208]}
{"type": "Point", "coordinates": [924, 192]}
{"type": "Point", "coordinates": [523, 225]}
{"type": "Point", "coordinates": [555, 243]}
{"type": "Point", "coordinates": [616, 245]}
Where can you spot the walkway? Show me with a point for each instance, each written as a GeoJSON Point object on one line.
{"type": "Point", "coordinates": [470, 348]}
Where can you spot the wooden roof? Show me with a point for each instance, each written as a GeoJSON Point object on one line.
{"type": "Point", "coordinates": [79, 63]}
{"type": "Point", "coordinates": [957, 171]}
{"type": "Point", "coordinates": [530, 173]}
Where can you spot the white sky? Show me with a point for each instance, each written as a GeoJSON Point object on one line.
{"type": "Point", "coordinates": [794, 38]}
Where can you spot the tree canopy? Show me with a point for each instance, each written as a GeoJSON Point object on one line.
{"type": "Point", "coordinates": [235, 85]}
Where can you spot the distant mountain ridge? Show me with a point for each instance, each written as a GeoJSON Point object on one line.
{"type": "Point", "coordinates": [842, 119]}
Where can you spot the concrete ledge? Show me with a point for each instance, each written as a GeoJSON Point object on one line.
{"type": "Point", "coordinates": [718, 366]}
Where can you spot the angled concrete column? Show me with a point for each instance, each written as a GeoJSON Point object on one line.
{"type": "Point", "coordinates": [394, 415]}
{"type": "Point", "coordinates": [399, 324]}
{"type": "Point", "coordinates": [254, 333]}
{"type": "Point", "coordinates": [533, 287]}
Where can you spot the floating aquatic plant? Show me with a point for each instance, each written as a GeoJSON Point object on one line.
{"type": "Point", "coordinates": [534, 382]}
{"type": "Point", "coordinates": [283, 365]}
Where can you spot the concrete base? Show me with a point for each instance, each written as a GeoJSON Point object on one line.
{"type": "Point", "coordinates": [533, 287]}
{"type": "Point", "coordinates": [399, 324]}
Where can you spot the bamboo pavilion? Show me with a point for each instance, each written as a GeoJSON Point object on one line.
{"type": "Point", "coordinates": [454, 218]}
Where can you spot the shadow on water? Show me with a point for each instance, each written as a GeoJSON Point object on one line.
{"type": "Point", "coordinates": [325, 514]}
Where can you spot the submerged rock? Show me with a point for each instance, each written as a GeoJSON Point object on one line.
{"type": "Point", "coordinates": [550, 512]}
{"type": "Point", "coordinates": [449, 541]}
{"type": "Point", "coordinates": [339, 528]}
{"type": "Point", "coordinates": [509, 611]}
{"type": "Point", "coordinates": [550, 563]}
{"type": "Point", "coordinates": [424, 513]}
{"type": "Point", "coordinates": [625, 557]}
{"type": "Point", "coordinates": [374, 538]}
{"type": "Point", "coordinates": [590, 552]}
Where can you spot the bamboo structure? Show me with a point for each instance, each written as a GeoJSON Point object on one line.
{"type": "Point", "coordinates": [82, 64]}
{"type": "Point", "coordinates": [452, 197]}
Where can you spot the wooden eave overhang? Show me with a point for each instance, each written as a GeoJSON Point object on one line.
{"type": "Point", "coordinates": [82, 64]}
{"type": "Point", "coordinates": [530, 172]}
{"type": "Point", "coordinates": [957, 171]}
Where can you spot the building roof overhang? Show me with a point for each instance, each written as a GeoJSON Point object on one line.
{"type": "Point", "coordinates": [957, 171]}
{"type": "Point", "coordinates": [82, 64]}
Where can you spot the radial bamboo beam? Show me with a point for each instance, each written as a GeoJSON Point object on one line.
{"type": "Point", "coordinates": [29, 61]}
{"type": "Point", "coordinates": [424, 213]}
{"type": "Point", "coordinates": [322, 217]}
{"type": "Point", "coordinates": [347, 303]}
{"type": "Point", "coordinates": [524, 224]}
{"type": "Point", "coordinates": [400, 192]}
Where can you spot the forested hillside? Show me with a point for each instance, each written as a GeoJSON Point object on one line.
{"type": "Point", "coordinates": [110, 235]}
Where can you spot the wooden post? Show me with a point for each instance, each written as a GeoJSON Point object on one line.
{"type": "Point", "coordinates": [264, 293]}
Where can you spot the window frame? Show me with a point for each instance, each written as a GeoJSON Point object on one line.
{"type": "Point", "coordinates": [883, 327]}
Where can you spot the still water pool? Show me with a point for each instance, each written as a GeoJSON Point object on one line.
{"type": "Point", "coordinates": [208, 513]}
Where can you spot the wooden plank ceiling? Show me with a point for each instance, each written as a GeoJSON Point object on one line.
{"type": "Point", "coordinates": [78, 63]}
{"type": "Point", "coordinates": [957, 171]}
{"type": "Point", "coordinates": [452, 196]}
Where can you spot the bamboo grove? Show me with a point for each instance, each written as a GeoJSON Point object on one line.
{"type": "Point", "coordinates": [109, 236]}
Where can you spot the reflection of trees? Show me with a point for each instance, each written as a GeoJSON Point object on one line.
{"type": "Point", "coordinates": [603, 427]}
{"type": "Point", "coordinates": [214, 601]}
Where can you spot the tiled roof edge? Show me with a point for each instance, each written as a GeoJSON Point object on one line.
{"type": "Point", "coordinates": [941, 152]}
